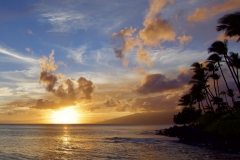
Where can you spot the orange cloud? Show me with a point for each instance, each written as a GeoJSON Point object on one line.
{"type": "Point", "coordinates": [184, 39]}
{"type": "Point", "coordinates": [126, 43]}
{"type": "Point", "coordinates": [140, 71]}
{"type": "Point", "coordinates": [46, 104]}
{"type": "Point", "coordinates": [222, 37]}
{"type": "Point", "coordinates": [111, 102]}
{"type": "Point", "coordinates": [155, 28]}
{"type": "Point", "coordinates": [201, 14]}
{"type": "Point", "coordinates": [144, 57]}
{"type": "Point", "coordinates": [155, 31]}
{"type": "Point", "coordinates": [65, 89]}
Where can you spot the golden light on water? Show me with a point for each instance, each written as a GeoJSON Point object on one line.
{"type": "Point", "coordinates": [65, 116]}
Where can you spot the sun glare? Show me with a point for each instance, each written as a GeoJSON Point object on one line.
{"type": "Point", "coordinates": [65, 116]}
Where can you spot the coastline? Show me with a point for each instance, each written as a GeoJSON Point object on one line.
{"type": "Point", "coordinates": [196, 135]}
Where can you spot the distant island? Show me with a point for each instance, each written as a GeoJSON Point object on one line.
{"type": "Point", "coordinates": [146, 118]}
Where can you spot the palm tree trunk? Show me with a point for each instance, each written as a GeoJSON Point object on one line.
{"type": "Point", "coordinates": [214, 84]}
{"type": "Point", "coordinates": [203, 107]}
{"type": "Point", "coordinates": [223, 76]}
{"type": "Point", "coordinates": [234, 75]}
{"type": "Point", "coordinates": [209, 101]}
{"type": "Point", "coordinates": [218, 87]}
{"type": "Point", "coordinates": [225, 80]}
{"type": "Point", "coordinates": [210, 92]}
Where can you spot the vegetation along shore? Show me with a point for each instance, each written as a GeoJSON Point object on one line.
{"type": "Point", "coordinates": [211, 114]}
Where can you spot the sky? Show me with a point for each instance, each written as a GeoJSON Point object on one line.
{"type": "Point", "coordinates": [98, 60]}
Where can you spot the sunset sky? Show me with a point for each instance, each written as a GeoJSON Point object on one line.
{"type": "Point", "coordinates": [101, 58]}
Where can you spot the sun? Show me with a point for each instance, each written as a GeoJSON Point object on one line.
{"type": "Point", "coordinates": [65, 116]}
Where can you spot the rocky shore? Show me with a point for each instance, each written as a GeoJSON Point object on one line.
{"type": "Point", "coordinates": [197, 136]}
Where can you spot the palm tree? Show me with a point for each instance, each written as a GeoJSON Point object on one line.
{"type": "Point", "coordinates": [200, 89]}
{"type": "Point", "coordinates": [230, 23]}
{"type": "Point", "coordinates": [186, 100]}
{"type": "Point", "coordinates": [234, 61]}
{"type": "Point", "coordinates": [220, 48]}
{"type": "Point", "coordinates": [212, 67]}
{"type": "Point", "coordinates": [198, 95]}
{"type": "Point", "coordinates": [215, 58]}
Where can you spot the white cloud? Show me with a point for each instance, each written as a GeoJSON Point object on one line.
{"type": "Point", "coordinates": [170, 60]}
{"type": "Point", "coordinates": [63, 21]}
{"type": "Point", "coordinates": [6, 91]}
{"type": "Point", "coordinates": [104, 56]}
{"type": "Point", "coordinates": [27, 49]}
{"type": "Point", "coordinates": [16, 55]}
{"type": "Point", "coordinates": [29, 31]}
{"type": "Point", "coordinates": [75, 54]}
{"type": "Point", "coordinates": [113, 24]}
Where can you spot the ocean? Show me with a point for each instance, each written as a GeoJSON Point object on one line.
{"type": "Point", "coordinates": [70, 142]}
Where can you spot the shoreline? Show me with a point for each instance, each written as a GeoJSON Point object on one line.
{"type": "Point", "coordinates": [196, 136]}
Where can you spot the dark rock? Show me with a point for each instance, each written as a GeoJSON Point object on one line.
{"type": "Point", "coordinates": [195, 135]}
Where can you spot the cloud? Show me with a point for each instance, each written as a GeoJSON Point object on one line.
{"type": "Point", "coordinates": [46, 104]}
{"type": "Point", "coordinates": [144, 57]}
{"type": "Point", "coordinates": [153, 83]}
{"type": "Point", "coordinates": [16, 55]}
{"type": "Point", "coordinates": [76, 54]}
{"type": "Point", "coordinates": [6, 91]}
{"type": "Point", "coordinates": [161, 102]}
{"type": "Point", "coordinates": [69, 91]}
{"type": "Point", "coordinates": [48, 64]}
{"type": "Point", "coordinates": [29, 31]}
{"type": "Point", "coordinates": [156, 31]}
{"type": "Point", "coordinates": [154, 103]}
{"type": "Point", "coordinates": [202, 14]}
{"type": "Point", "coordinates": [92, 109]}
{"type": "Point", "coordinates": [184, 39]}
{"type": "Point", "coordinates": [222, 37]}
{"type": "Point", "coordinates": [66, 21]}
{"type": "Point", "coordinates": [117, 105]}
{"type": "Point", "coordinates": [111, 102]}
{"type": "Point", "coordinates": [46, 76]}
{"type": "Point", "coordinates": [86, 87]}
{"type": "Point", "coordinates": [28, 49]}
{"type": "Point", "coordinates": [126, 43]}
{"type": "Point", "coordinates": [155, 28]}
{"type": "Point", "coordinates": [140, 71]}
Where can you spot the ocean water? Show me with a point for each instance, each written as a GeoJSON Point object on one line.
{"type": "Point", "coordinates": [43, 142]}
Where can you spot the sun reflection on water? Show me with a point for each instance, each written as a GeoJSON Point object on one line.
{"type": "Point", "coordinates": [66, 136]}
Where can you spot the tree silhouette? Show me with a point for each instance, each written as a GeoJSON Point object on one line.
{"type": "Point", "coordinates": [220, 48]}
{"type": "Point", "coordinates": [187, 116]}
{"type": "Point", "coordinates": [230, 23]}
{"type": "Point", "coordinates": [209, 98]}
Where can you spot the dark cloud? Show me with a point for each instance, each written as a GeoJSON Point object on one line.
{"type": "Point", "coordinates": [86, 87]}
{"type": "Point", "coordinates": [46, 104]}
{"type": "Point", "coordinates": [67, 90]}
{"type": "Point", "coordinates": [48, 79]}
{"type": "Point", "coordinates": [153, 83]}
{"type": "Point", "coordinates": [154, 103]}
